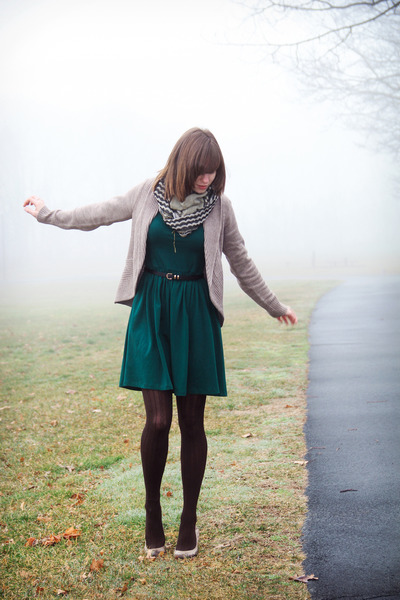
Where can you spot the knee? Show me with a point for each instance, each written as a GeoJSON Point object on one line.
{"type": "Point", "coordinates": [158, 424]}
{"type": "Point", "coordinates": [191, 426]}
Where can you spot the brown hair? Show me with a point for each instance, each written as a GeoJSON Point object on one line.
{"type": "Point", "coordinates": [195, 153]}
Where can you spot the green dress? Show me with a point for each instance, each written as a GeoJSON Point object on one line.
{"type": "Point", "coordinates": [173, 339]}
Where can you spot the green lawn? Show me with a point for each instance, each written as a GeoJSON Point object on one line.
{"type": "Point", "coordinates": [70, 456]}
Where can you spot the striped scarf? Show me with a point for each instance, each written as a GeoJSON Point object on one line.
{"type": "Point", "coordinates": [184, 217]}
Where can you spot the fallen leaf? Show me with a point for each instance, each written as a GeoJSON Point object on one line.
{"type": "Point", "coordinates": [69, 468]}
{"type": "Point", "coordinates": [169, 494]}
{"type": "Point", "coordinates": [97, 410]}
{"type": "Point", "coordinates": [97, 565]}
{"type": "Point", "coordinates": [25, 574]}
{"type": "Point", "coordinates": [71, 532]}
{"type": "Point", "coordinates": [304, 578]}
{"type": "Point", "coordinates": [54, 423]}
{"type": "Point", "coordinates": [123, 589]}
{"type": "Point", "coordinates": [30, 542]}
{"type": "Point", "coordinates": [4, 407]}
{"type": "Point", "coordinates": [122, 397]}
{"type": "Point", "coordinates": [22, 506]}
{"type": "Point", "coordinates": [288, 406]}
{"type": "Point", "coordinates": [43, 519]}
{"type": "Point", "coordinates": [39, 590]}
{"type": "Point", "coordinates": [126, 441]}
{"type": "Point", "coordinates": [62, 592]}
{"type": "Point", "coordinates": [80, 498]}
{"type": "Point", "coordinates": [247, 435]}
{"type": "Point", "coordinates": [300, 462]}
{"type": "Point", "coordinates": [70, 392]}
{"type": "Point", "coordinates": [51, 540]}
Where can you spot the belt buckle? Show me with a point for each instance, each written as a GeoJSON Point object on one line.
{"type": "Point", "coordinates": [169, 276]}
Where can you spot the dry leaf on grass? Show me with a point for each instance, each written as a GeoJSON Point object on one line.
{"type": "Point", "coordinates": [71, 532]}
{"type": "Point", "coordinates": [51, 540]}
{"type": "Point", "coordinates": [61, 592]}
{"type": "Point", "coordinates": [25, 574]}
{"type": "Point", "coordinates": [43, 519]}
{"type": "Point", "coordinates": [97, 565]}
{"type": "Point", "coordinates": [121, 591]}
{"type": "Point", "coordinates": [80, 498]}
{"type": "Point", "coordinates": [304, 578]}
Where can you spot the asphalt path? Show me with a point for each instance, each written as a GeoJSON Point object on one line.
{"type": "Point", "coordinates": [351, 536]}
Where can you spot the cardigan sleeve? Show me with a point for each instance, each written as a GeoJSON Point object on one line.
{"type": "Point", "coordinates": [243, 267]}
{"type": "Point", "coordinates": [92, 216]}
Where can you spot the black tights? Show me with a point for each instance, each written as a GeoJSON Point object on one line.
{"type": "Point", "coordinates": [154, 451]}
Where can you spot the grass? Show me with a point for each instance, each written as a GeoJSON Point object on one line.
{"type": "Point", "coordinates": [70, 456]}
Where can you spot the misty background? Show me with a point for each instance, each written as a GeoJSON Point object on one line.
{"type": "Point", "coordinates": [93, 96]}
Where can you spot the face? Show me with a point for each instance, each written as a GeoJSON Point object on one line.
{"type": "Point", "coordinates": [203, 182]}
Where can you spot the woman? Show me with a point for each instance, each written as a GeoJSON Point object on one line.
{"type": "Point", "coordinates": [173, 280]}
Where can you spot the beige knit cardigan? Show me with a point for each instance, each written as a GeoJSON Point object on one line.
{"type": "Point", "coordinates": [221, 235]}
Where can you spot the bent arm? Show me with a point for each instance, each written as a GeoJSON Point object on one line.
{"type": "Point", "coordinates": [246, 272]}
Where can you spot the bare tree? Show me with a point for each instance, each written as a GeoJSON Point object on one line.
{"type": "Point", "coordinates": [348, 51]}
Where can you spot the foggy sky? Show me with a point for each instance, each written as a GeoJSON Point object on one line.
{"type": "Point", "coordinates": [95, 93]}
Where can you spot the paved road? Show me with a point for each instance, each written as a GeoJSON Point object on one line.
{"type": "Point", "coordinates": [352, 531]}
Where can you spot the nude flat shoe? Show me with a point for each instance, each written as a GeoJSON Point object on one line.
{"type": "Point", "coordinates": [154, 552]}
{"type": "Point", "coordinates": [189, 553]}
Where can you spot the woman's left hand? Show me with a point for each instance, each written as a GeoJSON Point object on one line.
{"type": "Point", "coordinates": [288, 318]}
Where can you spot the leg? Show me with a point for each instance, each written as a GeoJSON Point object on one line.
{"type": "Point", "coordinates": [154, 451]}
{"type": "Point", "coordinates": [193, 463]}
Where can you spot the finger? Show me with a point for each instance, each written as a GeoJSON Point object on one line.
{"type": "Point", "coordinates": [30, 211]}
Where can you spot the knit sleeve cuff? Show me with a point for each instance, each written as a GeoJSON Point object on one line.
{"type": "Point", "coordinates": [43, 214]}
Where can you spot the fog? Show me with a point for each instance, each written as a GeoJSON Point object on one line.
{"type": "Point", "coordinates": [95, 93]}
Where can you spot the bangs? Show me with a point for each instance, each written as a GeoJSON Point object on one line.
{"type": "Point", "coordinates": [207, 160]}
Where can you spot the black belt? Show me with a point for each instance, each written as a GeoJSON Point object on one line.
{"type": "Point", "coordinates": [174, 276]}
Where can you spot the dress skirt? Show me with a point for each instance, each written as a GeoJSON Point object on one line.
{"type": "Point", "coordinates": [173, 339]}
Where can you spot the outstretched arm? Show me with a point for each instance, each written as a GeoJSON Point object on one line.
{"type": "Point", "coordinates": [90, 216]}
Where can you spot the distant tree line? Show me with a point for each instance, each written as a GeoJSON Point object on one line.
{"type": "Point", "coordinates": [347, 51]}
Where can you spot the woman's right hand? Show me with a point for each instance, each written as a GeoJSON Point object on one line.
{"type": "Point", "coordinates": [33, 205]}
